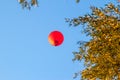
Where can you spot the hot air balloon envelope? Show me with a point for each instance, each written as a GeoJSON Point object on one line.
{"type": "Point", "coordinates": [55, 38]}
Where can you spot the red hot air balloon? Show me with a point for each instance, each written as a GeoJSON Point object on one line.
{"type": "Point", "coordinates": [55, 38]}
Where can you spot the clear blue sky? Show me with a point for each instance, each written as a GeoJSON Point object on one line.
{"type": "Point", "coordinates": [25, 53]}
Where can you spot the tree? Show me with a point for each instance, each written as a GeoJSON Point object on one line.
{"type": "Point", "coordinates": [26, 4]}
{"type": "Point", "coordinates": [101, 54]}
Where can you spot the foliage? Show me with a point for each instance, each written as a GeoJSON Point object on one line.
{"type": "Point", "coordinates": [77, 1]}
{"type": "Point", "coordinates": [101, 54]}
{"type": "Point", "coordinates": [26, 4]}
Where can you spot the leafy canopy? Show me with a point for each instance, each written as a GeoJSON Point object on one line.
{"type": "Point", "coordinates": [101, 54]}
{"type": "Point", "coordinates": [26, 4]}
